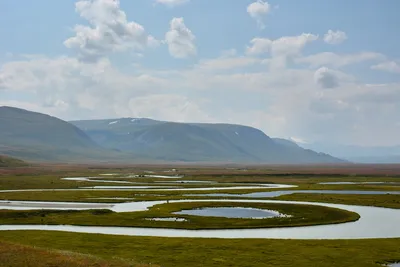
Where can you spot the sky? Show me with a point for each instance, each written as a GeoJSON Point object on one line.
{"type": "Point", "coordinates": [314, 71]}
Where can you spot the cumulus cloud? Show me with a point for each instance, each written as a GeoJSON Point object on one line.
{"type": "Point", "coordinates": [335, 37]}
{"type": "Point", "coordinates": [287, 45]}
{"type": "Point", "coordinates": [258, 10]}
{"type": "Point", "coordinates": [180, 39]}
{"type": "Point", "coordinates": [172, 3]}
{"type": "Point", "coordinates": [110, 31]}
{"type": "Point", "coordinates": [76, 86]}
{"type": "Point", "coordinates": [281, 49]}
{"type": "Point", "coordinates": [388, 66]}
{"type": "Point", "coordinates": [169, 107]}
{"type": "Point", "coordinates": [326, 78]}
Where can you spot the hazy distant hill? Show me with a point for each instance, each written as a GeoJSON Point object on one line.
{"type": "Point", "coordinates": [9, 162]}
{"type": "Point", "coordinates": [37, 136]}
{"type": "Point", "coordinates": [197, 142]}
{"type": "Point", "coordinates": [360, 154]}
{"type": "Point", "coordinates": [285, 142]}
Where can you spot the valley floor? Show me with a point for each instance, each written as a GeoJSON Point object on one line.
{"type": "Point", "coordinates": [49, 248]}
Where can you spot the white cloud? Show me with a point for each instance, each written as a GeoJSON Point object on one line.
{"type": "Point", "coordinates": [389, 66]}
{"type": "Point", "coordinates": [169, 107]}
{"type": "Point", "coordinates": [172, 3]}
{"type": "Point", "coordinates": [258, 10]}
{"type": "Point", "coordinates": [226, 63]}
{"type": "Point", "coordinates": [298, 140]}
{"type": "Point", "coordinates": [287, 45]}
{"type": "Point", "coordinates": [326, 78]}
{"type": "Point", "coordinates": [110, 31]}
{"type": "Point", "coordinates": [335, 37]}
{"type": "Point", "coordinates": [259, 46]}
{"type": "Point", "coordinates": [78, 87]}
{"type": "Point", "coordinates": [338, 60]}
{"type": "Point", "coordinates": [281, 49]}
{"type": "Point", "coordinates": [229, 53]}
{"type": "Point", "coordinates": [180, 39]}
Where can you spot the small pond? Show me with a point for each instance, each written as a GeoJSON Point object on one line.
{"type": "Point", "coordinates": [231, 212]}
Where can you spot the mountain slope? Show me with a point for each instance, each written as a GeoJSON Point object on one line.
{"type": "Point", "coordinates": [285, 142]}
{"type": "Point", "coordinates": [31, 135]}
{"type": "Point", "coordinates": [9, 162]}
{"type": "Point", "coordinates": [196, 142]}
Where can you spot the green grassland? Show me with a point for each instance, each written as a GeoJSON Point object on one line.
{"type": "Point", "coordinates": [51, 179]}
{"type": "Point", "coordinates": [47, 249]}
{"type": "Point", "coordinates": [183, 252]}
{"type": "Point", "coordinates": [301, 215]}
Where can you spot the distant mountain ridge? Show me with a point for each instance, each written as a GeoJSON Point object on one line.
{"type": "Point", "coordinates": [35, 136]}
{"type": "Point", "coordinates": [197, 141]}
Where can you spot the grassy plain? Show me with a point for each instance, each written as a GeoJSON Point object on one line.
{"type": "Point", "coordinates": [47, 249]}
{"type": "Point", "coordinates": [183, 252]}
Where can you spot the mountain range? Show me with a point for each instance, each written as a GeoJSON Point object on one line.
{"type": "Point", "coordinates": [31, 135]}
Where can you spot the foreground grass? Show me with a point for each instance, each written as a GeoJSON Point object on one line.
{"type": "Point", "coordinates": [301, 215]}
{"type": "Point", "coordinates": [16, 255]}
{"type": "Point", "coordinates": [386, 201]}
{"type": "Point", "coordinates": [183, 252]}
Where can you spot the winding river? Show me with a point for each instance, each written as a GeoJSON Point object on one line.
{"type": "Point", "coordinates": [374, 222]}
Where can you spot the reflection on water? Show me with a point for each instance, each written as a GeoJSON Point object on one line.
{"type": "Point", "coordinates": [171, 219]}
{"type": "Point", "coordinates": [35, 205]}
{"type": "Point", "coordinates": [126, 187]}
{"type": "Point", "coordinates": [165, 176]}
{"type": "Point", "coordinates": [187, 182]}
{"type": "Point", "coordinates": [95, 180]}
{"type": "Point", "coordinates": [231, 212]}
{"type": "Point", "coordinates": [288, 192]}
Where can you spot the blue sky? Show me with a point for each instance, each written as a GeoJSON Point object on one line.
{"type": "Point", "coordinates": [317, 71]}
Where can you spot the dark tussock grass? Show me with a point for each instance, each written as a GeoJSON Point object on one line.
{"type": "Point", "coordinates": [16, 255]}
